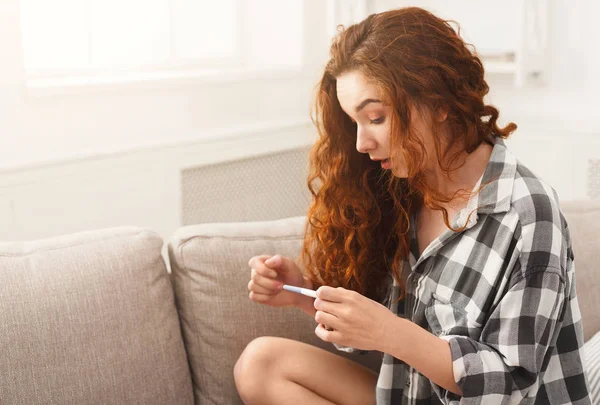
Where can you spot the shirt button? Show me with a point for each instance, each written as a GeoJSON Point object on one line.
{"type": "Point", "coordinates": [408, 381]}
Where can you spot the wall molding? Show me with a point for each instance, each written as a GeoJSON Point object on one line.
{"type": "Point", "coordinates": [245, 135]}
{"type": "Point", "coordinates": [140, 187]}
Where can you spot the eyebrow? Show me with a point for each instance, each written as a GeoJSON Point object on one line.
{"type": "Point", "coordinates": [365, 102]}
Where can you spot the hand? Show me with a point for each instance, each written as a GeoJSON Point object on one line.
{"type": "Point", "coordinates": [267, 277]}
{"type": "Point", "coordinates": [352, 319]}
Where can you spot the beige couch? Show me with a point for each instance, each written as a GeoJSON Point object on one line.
{"type": "Point", "coordinates": [95, 318]}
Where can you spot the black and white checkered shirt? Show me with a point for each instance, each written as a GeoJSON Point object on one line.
{"type": "Point", "coordinates": [502, 293]}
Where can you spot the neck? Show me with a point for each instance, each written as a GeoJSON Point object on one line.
{"type": "Point", "coordinates": [466, 176]}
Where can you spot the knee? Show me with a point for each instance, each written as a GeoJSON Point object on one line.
{"type": "Point", "coordinates": [256, 362]}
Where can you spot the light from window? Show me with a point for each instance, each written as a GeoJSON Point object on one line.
{"type": "Point", "coordinates": [62, 37]}
{"type": "Point", "coordinates": [275, 30]}
{"type": "Point", "coordinates": [202, 32]}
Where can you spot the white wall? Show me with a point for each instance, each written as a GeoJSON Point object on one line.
{"type": "Point", "coordinates": [49, 123]}
{"type": "Point", "coordinates": [79, 159]}
{"type": "Point", "coordinates": [559, 122]}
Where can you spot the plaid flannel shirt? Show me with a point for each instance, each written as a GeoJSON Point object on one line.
{"type": "Point", "coordinates": [502, 293]}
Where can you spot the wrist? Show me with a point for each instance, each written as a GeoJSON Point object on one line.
{"type": "Point", "coordinates": [300, 300]}
{"type": "Point", "coordinates": [306, 283]}
{"type": "Point", "coordinates": [306, 304]}
{"type": "Point", "coordinates": [303, 302]}
{"type": "Point", "coordinates": [395, 340]}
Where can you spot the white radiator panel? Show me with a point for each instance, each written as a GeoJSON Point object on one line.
{"type": "Point", "coordinates": [255, 189]}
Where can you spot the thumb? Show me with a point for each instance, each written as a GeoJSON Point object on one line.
{"type": "Point", "coordinates": [274, 261]}
{"type": "Point", "coordinates": [279, 262]}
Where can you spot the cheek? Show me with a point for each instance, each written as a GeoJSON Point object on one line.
{"type": "Point", "coordinates": [399, 169]}
{"type": "Point", "coordinates": [383, 135]}
{"type": "Point", "coordinates": [402, 173]}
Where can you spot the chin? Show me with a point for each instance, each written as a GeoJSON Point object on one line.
{"type": "Point", "coordinates": [401, 174]}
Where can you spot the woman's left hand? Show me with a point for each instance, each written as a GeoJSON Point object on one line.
{"type": "Point", "coordinates": [356, 321]}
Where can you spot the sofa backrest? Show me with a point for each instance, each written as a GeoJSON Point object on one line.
{"type": "Point", "coordinates": [89, 318]}
{"type": "Point", "coordinates": [210, 276]}
{"type": "Point", "coordinates": [209, 267]}
{"type": "Point", "coordinates": [583, 218]}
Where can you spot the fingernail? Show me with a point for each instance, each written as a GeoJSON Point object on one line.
{"type": "Point", "coordinates": [270, 260]}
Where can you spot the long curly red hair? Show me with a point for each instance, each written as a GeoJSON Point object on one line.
{"type": "Point", "coordinates": [357, 229]}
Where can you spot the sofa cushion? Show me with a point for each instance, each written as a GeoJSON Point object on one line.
{"type": "Point", "coordinates": [89, 318]}
{"type": "Point", "coordinates": [591, 359]}
{"type": "Point", "coordinates": [583, 218]}
{"type": "Point", "coordinates": [210, 276]}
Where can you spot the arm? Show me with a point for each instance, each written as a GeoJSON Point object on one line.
{"type": "Point", "coordinates": [504, 364]}
{"type": "Point", "coordinates": [305, 303]}
{"type": "Point", "coordinates": [426, 352]}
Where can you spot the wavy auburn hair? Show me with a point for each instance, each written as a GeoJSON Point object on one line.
{"type": "Point", "coordinates": [357, 229]}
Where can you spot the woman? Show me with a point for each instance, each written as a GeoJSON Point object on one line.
{"type": "Point", "coordinates": [419, 205]}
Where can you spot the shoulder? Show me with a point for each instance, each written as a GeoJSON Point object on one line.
{"type": "Point", "coordinates": [543, 232]}
{"type": "Point", "coordinates": [533, 198]}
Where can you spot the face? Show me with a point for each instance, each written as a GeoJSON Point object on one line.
{"type": "Point", "coordinates": [361, 102]}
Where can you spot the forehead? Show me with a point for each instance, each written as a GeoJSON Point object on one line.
{"type": "Point", "coordinates": [352, 89]}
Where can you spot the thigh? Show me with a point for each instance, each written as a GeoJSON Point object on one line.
{"type": "Point", "coordinates": [331, 376]}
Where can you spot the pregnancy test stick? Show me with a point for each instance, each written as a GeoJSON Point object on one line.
{"type": "Point", "coordinates": [303, 291]}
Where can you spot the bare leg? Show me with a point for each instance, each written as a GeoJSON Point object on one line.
{"type": "Point", "coordinates": [280, 371]}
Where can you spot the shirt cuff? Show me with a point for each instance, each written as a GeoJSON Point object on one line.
{"type": "Point", "coordinates": [347, 349]}
{"type": "Point", "coordinates": [458, 368]}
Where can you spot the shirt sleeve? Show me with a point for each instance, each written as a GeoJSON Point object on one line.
{"type": "Point", "coordinates": [348, 349]}
{"type": "Point", "coordinates": [505, 363]}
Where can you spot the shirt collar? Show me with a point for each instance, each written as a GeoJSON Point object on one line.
{"type": "Point", "coordinates": [498, 178]}
{"type": "Point", "coordinates": [496, 195]}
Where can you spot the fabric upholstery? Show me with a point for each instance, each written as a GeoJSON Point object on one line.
{"type": "Point", "coordinates": [583, 218]}
{"type": "Point", "coordinates": [210, 275]}
{"type": "Point", "coordinates": [591, 350]}
{"type": "Point", "coordinates": [89, 318]}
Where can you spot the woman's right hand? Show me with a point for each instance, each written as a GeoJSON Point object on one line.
{"type": "Point", "coordinates": [267, 277]}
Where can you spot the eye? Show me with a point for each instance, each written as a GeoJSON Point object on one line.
{"type": "Point", "coordinates": [378, 121]}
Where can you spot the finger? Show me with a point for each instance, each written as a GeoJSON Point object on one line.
{"type": "Point", "coordinates": [267, 283]}
{"type": "Point", "coordinates": [260, 298]}
{"type": "Point", "coordinates": [326, 335]}
{"type": "Point", "coordinates": [252, 286]}
{"type": "Point", "coordinates": [263, 271]}
{"type": "Point", "coordinates": [327, 319]}
{"type": "Point", "coordinates": [331, 294]}
{"type": "Point", "coordinates": [333, 308]}
{"type": "Point", "coordinates": [257, 264]}
{"type": "Point", "coordinates": [257, 260]}
{"type": "Point", "coordinates": [281, 263]}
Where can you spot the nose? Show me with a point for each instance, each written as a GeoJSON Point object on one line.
{"type": "Point", "coordinates": [364, 142]}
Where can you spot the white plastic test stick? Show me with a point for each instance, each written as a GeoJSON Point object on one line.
{"type": "Point", "coordinates": [303, 291]}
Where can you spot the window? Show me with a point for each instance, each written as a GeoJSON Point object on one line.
{"type": "Point", "coordinates": [63, 38]}
{"type": "Point", "coordinates": [509, 36]}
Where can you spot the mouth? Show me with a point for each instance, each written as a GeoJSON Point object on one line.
{"type": "Point", "coordinates": [386, 164]}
